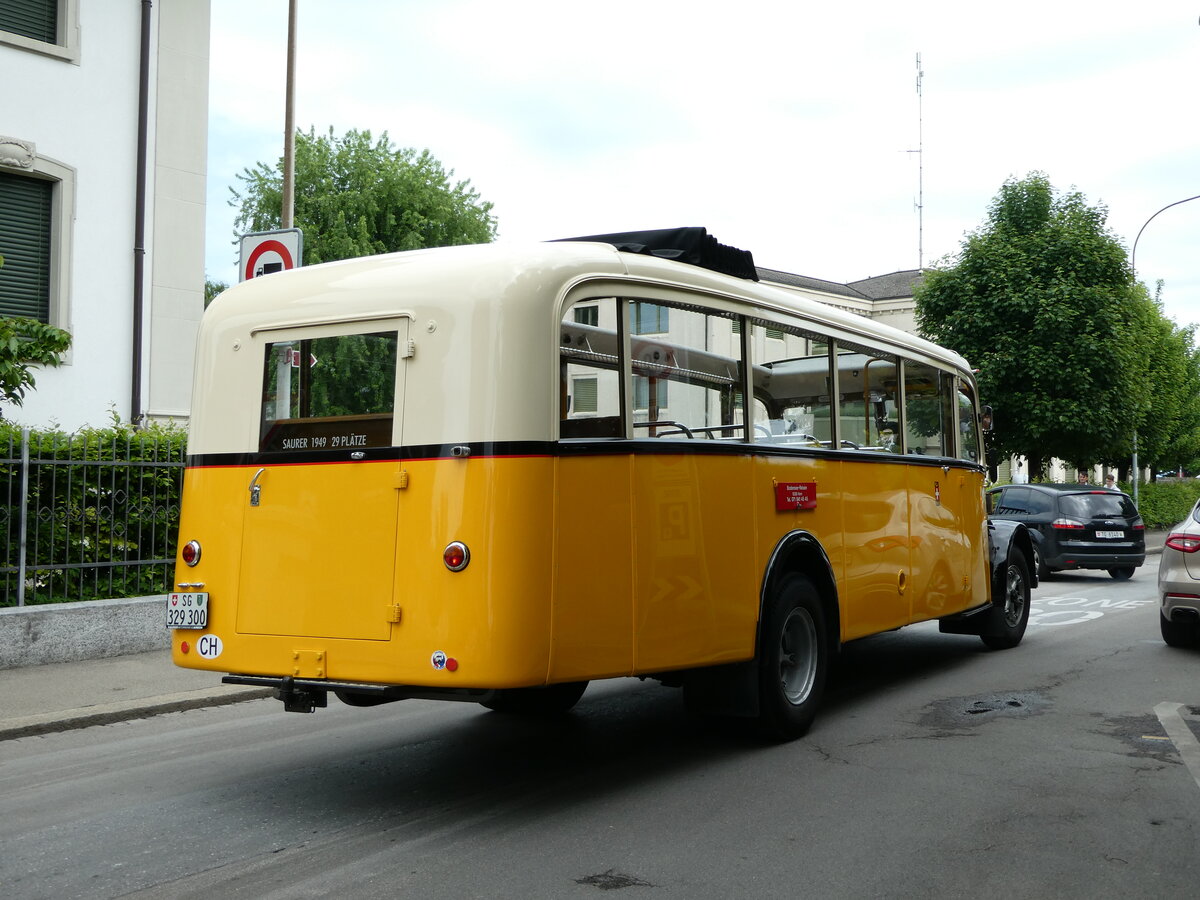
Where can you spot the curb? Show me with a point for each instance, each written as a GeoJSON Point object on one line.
{"type": "Point", "coordinates": [108, 713]}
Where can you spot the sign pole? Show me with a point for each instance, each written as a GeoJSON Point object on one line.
{"type": "Point", "coordinates": [289, 124]}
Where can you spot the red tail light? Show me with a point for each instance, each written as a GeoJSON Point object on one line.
{"type": "Point", "coordinates": [456, 556]}
{"type": "Point", "coordinates": [1066, 523]}
{"type": "Point", "coordinates": [1184, 543]}
{"type": "Point", "coordinates": [190, 553]}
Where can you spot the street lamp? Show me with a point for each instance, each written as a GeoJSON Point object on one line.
{"type": "Point", "coordinates": [1133, 254]}
{"type": "Point", "coordinates": [1133, 269]}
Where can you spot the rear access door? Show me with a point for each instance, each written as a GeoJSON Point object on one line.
{"type": "Point", "coordinates": [319, 540]}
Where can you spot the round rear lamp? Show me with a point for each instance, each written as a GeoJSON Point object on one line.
{"type": "Point", "coordinates": [456, 556]}
{"type": "Point", "coordinates": [190, 553]}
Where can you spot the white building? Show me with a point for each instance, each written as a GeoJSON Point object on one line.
{"type": "Point", "coordinates": [83, 250]}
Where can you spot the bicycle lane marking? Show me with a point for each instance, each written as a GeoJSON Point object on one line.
{"type": "Point", "coordinates": [1181, 736]}
{"type": "Point", "coordinates": [1076, 610]}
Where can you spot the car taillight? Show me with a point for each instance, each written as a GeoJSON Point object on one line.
{"type": "Point", "coordinates": [1066, 523]}
{"type": "Point", "coordinates": [1184, 543]}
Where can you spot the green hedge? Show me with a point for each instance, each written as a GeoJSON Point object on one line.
{"type": "Point", "coordinates": [102, 501]}
{"type": "Point", "coordinates": [1164, 503]}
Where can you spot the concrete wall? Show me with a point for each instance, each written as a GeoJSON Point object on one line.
{"type": "Point", "coordinates": [69, 632]}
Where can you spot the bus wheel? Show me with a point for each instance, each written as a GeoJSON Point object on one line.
{"type": "Point", "coordinates": [1010, 614]}
{"type": "Point", "coordinates": [537, 701]}
{"type": "Point", "coordinates": [793, 659]}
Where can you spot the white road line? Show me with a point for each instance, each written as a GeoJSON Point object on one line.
{"type": "Point", "coordinates": [1185, 742]}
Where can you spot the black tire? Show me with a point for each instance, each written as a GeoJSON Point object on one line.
{"type": "Point", "coordinates": [793, 659]}
{"type": "Point", "coordinates": [1178, 634]}
{"type": "Point", "coordinates": [1010, 614]}
{"type": "Point", "coordinates": [553, 699]}
{"type": "Point", "coordinates": [1043, 571]}
{"type": "Point", "coordinates": [1121, 573]}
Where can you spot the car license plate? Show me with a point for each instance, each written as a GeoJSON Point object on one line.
{"type": "Point", "coordinates": [188, 610]}
{"type": "Point", "coordinates": [1110, 534]}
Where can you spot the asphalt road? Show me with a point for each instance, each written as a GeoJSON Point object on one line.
{"type": "Point", "coordinates": [937, 768]}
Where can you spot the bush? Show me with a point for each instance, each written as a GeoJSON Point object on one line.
{"type": "Point", "coordinates": [103, 504]}
{"type": "Point", "coordinates": [1164, 503]}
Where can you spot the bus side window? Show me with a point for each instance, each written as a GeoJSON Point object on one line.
{"type": "Point", "coordinates": [968, 427]}
{"type": "Point", "coordinates": [686, 373]}
{"type": "Point", "coordinates": [589, 371]}
{"type": "Point", "coordinates": [925, 410]}
{"type": "Point", "coordinates": [868, 415]}
{"type": "Point", "coordinates": [791, 385]}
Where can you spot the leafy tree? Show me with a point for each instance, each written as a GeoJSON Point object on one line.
{"type": "Point", "coordinates": [1041, 299]}
{"type": "Point", "coordinates": [25, 343]}
{"type": "Point", "coordinates": [211, 289]}
{"type": "Point", "coordinates": [355, 197]}
{"type": "Point", "coordinates": [1169, 432]}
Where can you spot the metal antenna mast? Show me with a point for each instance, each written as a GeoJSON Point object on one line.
{"type": "Point", "coordinates": [920, 173]}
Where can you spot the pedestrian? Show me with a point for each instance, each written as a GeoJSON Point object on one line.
{"type": "Point", "coordinates": [1110, 481]}
{"type": "Point", "coordinates": [1082, 478]}
{"type": "Point", "coordinates": [1019, 476]}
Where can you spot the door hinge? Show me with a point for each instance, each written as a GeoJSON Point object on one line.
{"type": "Point", "coordinates": [401, 481]}
{"type": "Point", "coordinates": [409, 349]}
{"type": "Point", "coordinates": [393, 613]}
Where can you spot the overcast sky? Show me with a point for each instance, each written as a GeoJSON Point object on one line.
{"type": "Point", "coordinates": [786, 128]}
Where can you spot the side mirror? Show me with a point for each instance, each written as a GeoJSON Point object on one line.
{"type": "Point", "coordinates": [986, 418]}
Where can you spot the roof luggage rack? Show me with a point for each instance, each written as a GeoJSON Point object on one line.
{"type": "Point", "coordinates": [694, 246]}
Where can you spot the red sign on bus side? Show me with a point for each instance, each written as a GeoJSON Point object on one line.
{"type": "Point", "coordinates": [791, 495]}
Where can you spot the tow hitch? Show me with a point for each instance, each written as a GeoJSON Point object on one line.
{"type": "Point", "coordinates": [301, 700]}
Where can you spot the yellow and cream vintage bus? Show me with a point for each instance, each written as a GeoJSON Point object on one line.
{"type": "Point", "coordinates": [494, 473]}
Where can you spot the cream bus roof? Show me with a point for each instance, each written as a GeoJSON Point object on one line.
{"type": "Point", "coordinates": [515, 273]}
{"type": "Point", "coordinates": [484, 321]}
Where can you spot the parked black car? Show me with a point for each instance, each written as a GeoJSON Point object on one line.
{"type": "Point", "coordinates": [1075, 526]}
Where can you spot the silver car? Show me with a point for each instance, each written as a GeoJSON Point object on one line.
{"type": "Point", "coordinates": [1179, 583]}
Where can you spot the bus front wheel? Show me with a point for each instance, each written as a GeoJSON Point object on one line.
{"type": "Point", "coordinates": [1010, 612]}
{"type": "Point", "coordinates": [537, 701]}
{"type": "Point", "coordinates": [793, 659]}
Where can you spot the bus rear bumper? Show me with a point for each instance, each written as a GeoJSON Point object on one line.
{"type": "Point", "coordinates": [308, 694]}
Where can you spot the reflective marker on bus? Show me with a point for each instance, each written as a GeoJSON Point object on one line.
{"type": "Point", "coordinates": [495, 473]}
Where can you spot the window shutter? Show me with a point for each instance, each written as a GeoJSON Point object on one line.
{"type": "Point", "coordinates": [585, 395]}
{"type": "Point", "coordinates": [36, 19]}
{"type": "Point", "coordinates": [25, 246]}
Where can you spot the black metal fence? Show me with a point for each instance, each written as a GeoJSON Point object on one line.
{"type": "Point", "coordinates": [88, 516]}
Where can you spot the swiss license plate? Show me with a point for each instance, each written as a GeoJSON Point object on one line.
{"type": "Point", "coordinates": [1110, 534]}
{"type": "Point", "coordinates": [188, 610]}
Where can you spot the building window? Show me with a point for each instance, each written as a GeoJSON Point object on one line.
{"type": "Point", "coordinates": [37, 202]}
{"type": "Point", "coordinates": [648, 318]}
{"type": "Point", "coordinates": [35, 19]}
{"type": "Point", "coordinates": [25, 230]}
{"type": "Point", "coordinates": [587, 315]}
{"type": "Point", "coordinates": [585, 395]}
{"type": "Point", "coordinates": [49, 27]}
{"type": "Point", "coordinates": [641, 392]}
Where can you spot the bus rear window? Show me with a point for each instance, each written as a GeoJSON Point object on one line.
{"type": "Point", "coordinates": [329, 393]}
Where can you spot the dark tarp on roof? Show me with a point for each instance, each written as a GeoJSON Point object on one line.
{"type": "Point", "coordinates": [694, 246]}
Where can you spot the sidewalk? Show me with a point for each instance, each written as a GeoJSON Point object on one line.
{"type": "Point", "coordinates": [64, 696]}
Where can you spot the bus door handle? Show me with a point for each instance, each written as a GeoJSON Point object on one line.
{"type": "Point", "coordinates": [256, 488]}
